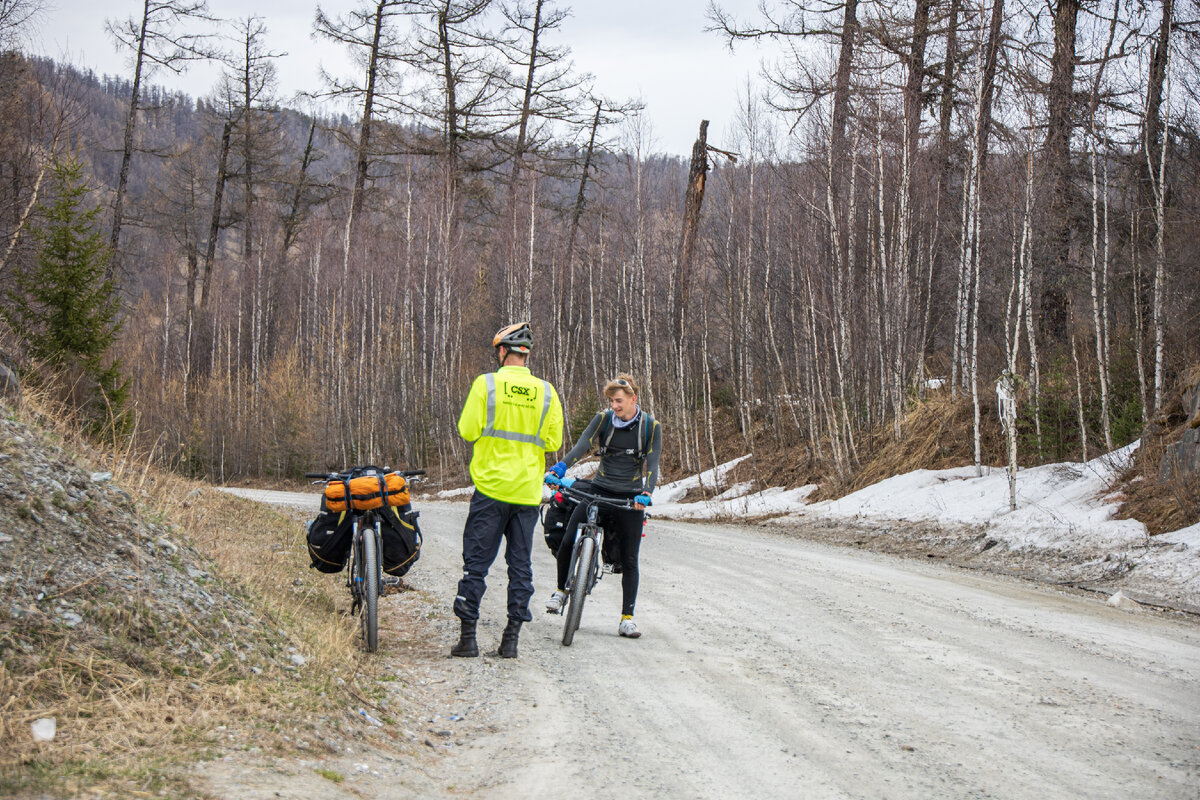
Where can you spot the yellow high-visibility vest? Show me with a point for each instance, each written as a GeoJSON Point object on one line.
{"type": "Point", "coordinates": [514, 419]}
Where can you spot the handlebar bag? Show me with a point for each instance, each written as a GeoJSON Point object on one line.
{"type": "Point", "coordinates": [368, 492]}
{"type": "Point", "coordinates": [401, 539]}
{"type": "Point", "coordinates": [329, 538]}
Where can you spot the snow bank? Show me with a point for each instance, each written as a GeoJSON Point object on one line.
{"type": "Point", "coordinates": [672, 492]}
{"type": "Point", "coordinates": [1054, 502]}
{"type": "Point", "coordinates": [1065, 508]}
{"type": "Point", "coordinates": [1189, 537]}
{"type": "Point", "coordinates": [768, 502]}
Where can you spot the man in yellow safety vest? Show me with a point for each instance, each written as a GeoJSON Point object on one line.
{"type": "Point", "coordinates": [513, 419]}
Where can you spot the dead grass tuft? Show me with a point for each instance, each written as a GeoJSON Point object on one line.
{"type": "Point", "coordinates": [1162, 505]}
{"type": "Point", "coordinates": [937, 433]}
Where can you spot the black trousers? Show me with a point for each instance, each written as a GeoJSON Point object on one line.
{"type": "Point", "coordinates": [625, 526]}
{"type": "Point", "coordinates": [488, 522]}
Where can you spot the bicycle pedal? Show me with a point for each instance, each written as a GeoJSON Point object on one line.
{"type": "Point", "coordinates": [391, 580]}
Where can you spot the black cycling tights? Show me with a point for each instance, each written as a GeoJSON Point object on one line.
{"type": "Point", "coordinates": [626, 526]}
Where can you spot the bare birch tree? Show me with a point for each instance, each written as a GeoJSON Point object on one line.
{"type": "Point", "coordinates": [157, 40]}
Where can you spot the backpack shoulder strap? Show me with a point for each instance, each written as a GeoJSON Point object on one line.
{"type": "Point", "coordinates": [645, 433]}
{"type": "Point", "coordinates": [606, 430]}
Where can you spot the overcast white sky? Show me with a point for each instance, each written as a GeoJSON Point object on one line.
{"type": "Point", "coordinates": [655, 50]}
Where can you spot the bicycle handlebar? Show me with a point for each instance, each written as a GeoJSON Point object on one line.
{"type": "Point", "coordinates": [579, 494]}
{"type": "Point", "coordinates": [354, 472]}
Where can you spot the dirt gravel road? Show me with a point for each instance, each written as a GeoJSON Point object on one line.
{"type": "Point", "coordinates": [772, 667]}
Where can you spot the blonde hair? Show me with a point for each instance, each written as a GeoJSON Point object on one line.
{"type": "Point", "coordinates": [623, 382]}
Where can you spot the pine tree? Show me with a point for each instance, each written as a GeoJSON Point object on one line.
{"type": "Point", "coordinates": [64, 308]}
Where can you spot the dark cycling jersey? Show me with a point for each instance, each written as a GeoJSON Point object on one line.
{"type": "Point", "coordinates": [620, 469]}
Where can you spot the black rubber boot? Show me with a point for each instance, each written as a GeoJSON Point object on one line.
{"type": "Point", "coordinates": [508, 642]}
{"type": "Point", "coordinates": [466, 647]}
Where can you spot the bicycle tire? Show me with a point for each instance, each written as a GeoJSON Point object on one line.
{"type": "Point", "coordinates": [370, 591]}
{"type": "Point", "coordinates": [579, 588]}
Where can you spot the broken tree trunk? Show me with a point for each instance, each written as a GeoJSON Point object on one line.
{"type": "Point", "coordinates": [692, 203]}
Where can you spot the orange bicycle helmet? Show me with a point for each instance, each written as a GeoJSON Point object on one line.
{"type": "Point", "coordinates": [517, 337]}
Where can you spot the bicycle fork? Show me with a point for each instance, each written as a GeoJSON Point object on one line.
{"type": "Point", "coordinates": [590, 529]}
{"type": "Point", "coordinates": [355, 579]}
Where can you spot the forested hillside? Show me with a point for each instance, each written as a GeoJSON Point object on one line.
{"type": "Point", "coordinates": [925, 193]}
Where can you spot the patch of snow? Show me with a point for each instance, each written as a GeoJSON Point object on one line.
{"type": "Point", "coordinates": [760, 504]}
{"type": "Point", "coordinates": [583, 469]}
{"type": "Point", "coordinates": [1055, 502]}
{"type": "Point", "coordinates": [1189, 537]}
{"type": "Point", "coordinates": [1119, 600]}
{"type": "Point", "coordinates": [737, 490]}
{"type": "Point", "coordinates": [672, 492]}
{"type": "Point", "coordinates": [447, 494]}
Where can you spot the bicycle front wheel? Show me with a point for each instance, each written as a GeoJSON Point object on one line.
{"type": "Point", "coordinates": [584, 565]}
{"type": "Point", "coordinates": [370, 590]}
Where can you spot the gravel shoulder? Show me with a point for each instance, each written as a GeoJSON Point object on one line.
{"type": "Point", "coordinates": [772, 665]}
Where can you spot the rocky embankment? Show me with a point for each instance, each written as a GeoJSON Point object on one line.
{"type": "Point", "coordinates": [110, 624]}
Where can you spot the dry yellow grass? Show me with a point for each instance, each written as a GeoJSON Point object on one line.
{"type": "Point", "coordinates": [937, 433]}
{"type": "Point", "coordinates": [131, 712]}
{"type": "Point", "coordinates": [1174, 502]}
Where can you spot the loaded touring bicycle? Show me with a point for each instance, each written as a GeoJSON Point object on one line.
{"type": "Point", "coordinates": [367, 527]}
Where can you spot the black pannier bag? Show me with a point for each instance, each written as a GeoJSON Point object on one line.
{"type": "Point", "coordinates": [401, 538]}
{"type": "Point", "coordinates": [329, 537]}
{"type": "Point", "coordinates": [556, 513]}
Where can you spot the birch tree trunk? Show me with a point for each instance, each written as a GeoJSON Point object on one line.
{"type": "Point", "coordinates": [1097, 313]}
{"type": "Point", "coordinates": [1160, 253]}
{"type": "Point", "coordinates": [1083, 437]}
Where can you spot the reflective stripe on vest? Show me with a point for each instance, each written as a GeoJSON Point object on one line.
{"type": "Point", "coordinates": [489, 429]}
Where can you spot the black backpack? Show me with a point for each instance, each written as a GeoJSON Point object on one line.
{"type": "Point", "coordinates": [645, 435]}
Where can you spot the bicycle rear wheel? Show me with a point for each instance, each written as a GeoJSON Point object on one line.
{"type": "Point", "coordinates": [370, 590]}
{"type": "Point", "coordinates": [584, 566]}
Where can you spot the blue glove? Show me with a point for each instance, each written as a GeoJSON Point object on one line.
{"type": "Point", "coordinates": [643, 499]}
{"type": "Point", "coordinates": [566, 483]}
{"type": "Point", "coordinates": [559, 469]}
{"type": "Point", "coordinates": [551, 479]}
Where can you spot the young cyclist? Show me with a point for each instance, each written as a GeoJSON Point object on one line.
{"type": "Point", "coordinates": [628, 441]}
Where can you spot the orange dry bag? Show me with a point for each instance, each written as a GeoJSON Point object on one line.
{"type": "Point", "coordinates": [368, 492]}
